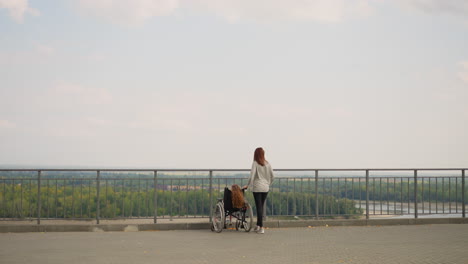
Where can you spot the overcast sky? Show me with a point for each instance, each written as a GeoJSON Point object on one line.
{"type": "Point", "coordinates": [202, 83]}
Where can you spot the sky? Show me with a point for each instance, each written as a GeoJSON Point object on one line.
{"type": "Point", "coordinates": [202, 83]}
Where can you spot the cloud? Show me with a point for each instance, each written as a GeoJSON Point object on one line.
{"type": "Point", "coordinates": [127, 11]}
{"type": "Point", "coordinates": [463, 74]}
{"type": "Point", "coordinates": [451, 7]}
{"type": "Point", "coordinates": [139, 11]}
{"type": "Point", "coordinates": [18, 8]}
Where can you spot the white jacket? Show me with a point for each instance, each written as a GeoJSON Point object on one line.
{"type": "Point", "coordinates": [261, 177]}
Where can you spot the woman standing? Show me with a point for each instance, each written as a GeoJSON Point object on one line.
{"type": "Point", "coordinates": [261, 177]}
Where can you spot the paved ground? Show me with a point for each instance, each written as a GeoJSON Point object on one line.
{"type": "Point", "coordinates": [373, 244]}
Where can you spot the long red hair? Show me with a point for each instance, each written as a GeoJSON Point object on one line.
{"type": "Point", "coordinates": [237, 196]}
{"type": "Point", "coordinates": [259, 156]}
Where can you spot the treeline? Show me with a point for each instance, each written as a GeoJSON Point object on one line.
{"type": "Point", "coordinates": [76, 198]}
{"type": "Point", "coordinates": [440, 190]}
{"type": "Point", "coordinates": [81, 202]}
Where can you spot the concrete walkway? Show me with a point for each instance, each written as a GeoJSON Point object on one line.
{"type": "Point", "coordinates": [441, 243]}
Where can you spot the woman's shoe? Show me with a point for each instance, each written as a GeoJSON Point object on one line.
{"type": "Point", "coordinates": [256, 229]}
{"type": "Point", "coordinates": [261, 231]}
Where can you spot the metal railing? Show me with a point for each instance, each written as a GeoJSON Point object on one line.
{"type": "Point", "coordinates": [189, 193]}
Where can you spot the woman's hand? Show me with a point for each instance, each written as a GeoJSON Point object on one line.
{"type": "Point", "coordinates": [245, 187]}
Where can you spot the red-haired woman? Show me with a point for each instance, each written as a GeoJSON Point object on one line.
{"type": "Point", "coordinates": [261, 177]}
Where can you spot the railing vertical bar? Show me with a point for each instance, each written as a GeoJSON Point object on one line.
{"type": "Point", "coordinates": [48, 198]}
{"type": "Point", "coordinates": [131, 190]}
{"type": "Point", "coordinates": [303, 197]}
{"type": "Point", "coordinates": [456, 195]}
{"type": "Point", "coordinates": [115, 199]}
{"type": "Point", "coordinates": [170, 201]}
{"type": "Point", "coordinates": [401, 195]}
{"type": "Point", "coordinates": [56, 198]}
{"type": "Point", "coordinates": [21, 198]}
{"type": "Point", "coordinates": [422, 194]}
{"type": "Point", "coordinates": [373, 195]}
{"type": "Point", "coordinates": [309, 205]}
{"type": "Point", "coordinates": [287, 196]}
{"type": "Point", "coordinates": [367, 194]}
{"type": "Point", "coordinates": [106, 199]}
{"type": "Point", "coordinates": [443, 194]}
{"type": "Point", "coordinates": [64, 198]}
{"type": "Point", "coordinates": [387, 182]}
{"type": "Point", "coordinates": [13, 210]}
{"type": "Point", "coordinates": [463, 193]}
{"type": "Point", "coordinates": [323, 196]}
{"type": "Point", "coordinates": [123, 198]}
{"type": "Point", "coordinates": [211, 194]}
{"type": "Point", "coordinates": [279, 195]}
{"type": "Point", "coordinates": [331, 195]}
{"type": "Point", "coordinates": [98, 198]}
{"type": "Point", "coordinates": [89, 199]}
{"type": "Point", "coordinates": [202, 211]}
{"type": "Point", "coordinates": [73, 198]}
{"type": "Point", "coordinates": [437, 196]}
{"type": "Point", "coordinates": [195, 200]}
{"type": "Point", "coordinates": [81, 199]}
{"type": "Point", "coordinates": [345, 195]}
{"type": "Point", "coordinates": [430, 195]}
{"type": "Point", "coordinates": [360, 194]}
{"type": "Point", "coordinates": [339, 198]}
{"type": "Point", "coordinates": [409, 200]}
{"type": "Point", "coordinates": [139, 198]}
{"type": "Point", "coordinates": [31, 213]}
{"type": "Point", "coordinates": [380, 195]}
{"type": "Point", "coordinates": [180, 198]}
{"type": "Point", "coordinates": [4, 199]}
{"type": "Point", "coordinates": [415, 193]}
{"type": "Point", "coordinates": [187, 199]}
{"type": "Point", "coordinates": [394, 195]}
{"type": "Point", "coordinates": [295, 211]}
{"type": "Point", "coordinates": [449, 198]}
{"type": "Point", "coordinates": [147, 200]}
{"type": "Point", "coordinates": [38, 197]}
{"type": "Point", "coordinates": [155, 197]}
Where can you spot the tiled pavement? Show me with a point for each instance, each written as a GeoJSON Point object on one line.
{"type": "Point", "coordinates": [348, 244]}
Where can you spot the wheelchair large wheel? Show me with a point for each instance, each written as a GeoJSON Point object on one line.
{"type": "Point", "coordinates": [217, 219]}
{"type": "Point", "coordinates": [248, 218]}
{"type": "Point", "coordinates": [246, 221]}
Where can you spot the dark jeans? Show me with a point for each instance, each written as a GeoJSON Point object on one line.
{"type": "Point", "coordinates": [260, 198]}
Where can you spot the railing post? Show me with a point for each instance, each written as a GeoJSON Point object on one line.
{"type": "Point", "coordinates": [38, 197]}
{"type": "Point", "coordinates": [367, 194]}
{"type": "Point", "coordinates": [98, 203]}
{"type": "Point", "coordinates": [415, 193]}
{"type": "Point", "coordinates": [463, 193]}
{"type": "Point", "coordinates": [155, 197]}
{"type": "Point", "coordinates": [211, 194]}
{"type": "Point", "coordinates": [316, 196]}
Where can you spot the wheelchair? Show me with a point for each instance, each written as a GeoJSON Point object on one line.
{"type": "Point", "coordinates": [224, 212]}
